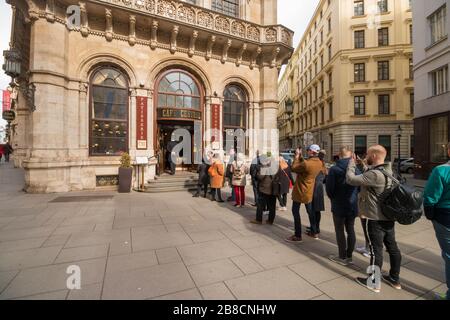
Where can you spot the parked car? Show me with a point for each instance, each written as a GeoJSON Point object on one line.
{"type": "Point", "coordinates": [288, 156]}
{"type": "Point", "coordinates": [407, 166]}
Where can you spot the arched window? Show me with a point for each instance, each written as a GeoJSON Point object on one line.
{"type": "Point", "coordinates": [109, 113]}
{"type": "Point", "coordinates": [178, 89]}
{"type": "Point", "coordinates": [228, 7]}
{"type": "Point", "coordinates": [234, 112]}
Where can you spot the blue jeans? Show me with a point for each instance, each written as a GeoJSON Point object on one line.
{"type": "Point", "coordinates": [443, 237]}
{"type": "Point", "coordinates": [297, 220]}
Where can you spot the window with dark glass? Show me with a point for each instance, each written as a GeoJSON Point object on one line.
{"type": "Point", "coordinates": [383, 37]}
{"type": "Point", "coordinates": [382, 6]}
{"type": "Point", "coordinates": [360, 105]}
{"type": "Point", "coordinates": [359, 8]}
{"type": "Point", "coordinates": [383, 70]}
{"type": "Point", "coordinates": [178, 89]}
{"type": "Point", "coordinates": [228, 7]}
{"type": "Point", "coordinates": [109, 113]}
{"type": "Point", "coordinates": [360, 72]}
{"type": "Point", "coordinates": [361, 146]}
{"type": "Point", "coordinates": [384, 104]}
{"type": "Point", "coordinates": [359, 39]}
{"type": "Point", "coordinates": [385, 141]}
{"type": "Point", "coordinates": [234, 112]}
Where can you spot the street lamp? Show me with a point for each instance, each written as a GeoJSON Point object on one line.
{"type": "Point", "coordinates": [289, 106]}
{"type": "Point", "coordinates": [399, 136]}
{"type": "Point", "coordinates": [12, 66]}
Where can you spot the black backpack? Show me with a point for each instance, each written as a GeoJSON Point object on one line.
{"type": "Point", "coordinates": [401, 202]}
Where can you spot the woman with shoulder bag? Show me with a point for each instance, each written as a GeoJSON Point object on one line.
{"type": "Point", "coordinates": [239, 180]}
{"type": "Point", "coordinates": [286, 182]}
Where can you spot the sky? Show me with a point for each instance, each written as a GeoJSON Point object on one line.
{"type": "Point", "coordinates": [295, 15]}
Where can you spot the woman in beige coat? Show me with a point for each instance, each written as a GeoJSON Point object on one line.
{"type": "Point", "coordinates": [239, 170]}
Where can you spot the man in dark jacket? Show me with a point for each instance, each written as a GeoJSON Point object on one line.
{"type": "Point", "coordinates": [8, 150]}
{"type": "Point", "coordinates": [344, 205]}
{"type": "Point", "coordinates": [267, 179]}
{"type": "Point", "coordinates": [203, 179]}
{"type": "Point", "coordinates": [254, 167]}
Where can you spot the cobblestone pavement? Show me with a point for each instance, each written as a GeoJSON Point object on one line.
{"type": "Point", "coordinates": [173, 246]}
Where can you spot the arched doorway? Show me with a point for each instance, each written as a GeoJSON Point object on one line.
{"type": "Point", "coordinates": [179, 100]}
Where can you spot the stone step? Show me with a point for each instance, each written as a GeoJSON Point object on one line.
{"type": "Point", "coordinates": [155, 189]}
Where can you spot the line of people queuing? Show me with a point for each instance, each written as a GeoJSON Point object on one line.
{"type": "Point", "coordinates": [354, 186]}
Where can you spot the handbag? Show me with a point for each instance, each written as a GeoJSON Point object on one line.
{"type": "Point", "coordinates": [290, 181]}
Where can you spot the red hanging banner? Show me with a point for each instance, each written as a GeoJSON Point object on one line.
{"type": "Point", "coordinates": [141, 123]}
{"type": "Point", "coordinates": [215, 124]}
{"type": "Point", "coordinates": [6, 101]}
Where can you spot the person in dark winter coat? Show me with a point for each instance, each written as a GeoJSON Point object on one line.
{"type": "Point", "coordinates": [267, 178]}
{"type": "Point", "coordinates": [254, 167]}
{"type": "Point", "coordinates": [318, 204]}
{"type": "Point", "coordinates": [203, 179]}
{"type": "Point", "coordinates": [286, 180]}
{"type": "Point", "coordinates": [344, 206]}
{"type": "Point", "coordinates": [8, 151]}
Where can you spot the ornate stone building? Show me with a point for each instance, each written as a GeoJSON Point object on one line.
{"type": "Point", "coordinates": [102, 77]}
{"type": "Point", "coordinates": [351, 78]}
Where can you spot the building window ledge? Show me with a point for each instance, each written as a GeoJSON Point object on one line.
{"type": "Point", "coordinates": [360, 116]}
{"type": "Point", "coordinates": [431, 46]}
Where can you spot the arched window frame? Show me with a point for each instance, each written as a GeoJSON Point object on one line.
{"type": "Point", "coordinates": [245, 105]}
{"type": "Point", "coordinates": [92, 117]}
{"type": "Point", "coordinates": [200, 89]}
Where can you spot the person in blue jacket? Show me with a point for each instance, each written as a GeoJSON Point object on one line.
{"type": "Point", "coordinates": [437, 209]}
{"type": "Point", "coordinates": [344, 206]}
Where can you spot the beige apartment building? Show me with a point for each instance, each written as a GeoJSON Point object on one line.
{"type": "Point", "coordinates": [97, 78]}
{"type": "Point", "coordinates": [351, 80]}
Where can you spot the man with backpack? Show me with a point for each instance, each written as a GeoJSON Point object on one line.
{"type": "Point", "coordinates": [379, 229]}
{"type": "Point", "coordinates": [437, 209]}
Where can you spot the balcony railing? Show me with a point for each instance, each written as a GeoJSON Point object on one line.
{"type": "Point", "coordinates": [204, 18]}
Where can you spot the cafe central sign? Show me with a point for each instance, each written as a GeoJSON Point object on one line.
{"type": "Point", "coordinates": [165, 113]}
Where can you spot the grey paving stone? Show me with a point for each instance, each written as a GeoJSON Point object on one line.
{"type": "Point", "coordinates": [147, 283]}
{"type": "Point", "coordinates": [250, 242]}
{"type": "Point", "coordinates": [211, 272]}
{"type": "Point", "coordinates": [20, 234]}
{"type": "Point", "coordinates": [6, 277]}
{"type": "Point", "coordinates": [88, 220]}
{"type": "Point", "coordinates": [247, 264]}
{"type": "Point", "coordinates": [28, 258]}
{"type": "Point", "coordinates": [52, 278]}
{"type": "Point", "coordinates": [168, 255]}
{"type": "Point", "coordinates": [191, 294]}
{"type": "Point", "coordinates": [209, 251]}
{"type": "Point", "coordinates": [276, 284]}
{"type": "Point", "coordinates": [16, 245]}
{"type": "Point", "coordinates": [82, 253]}
{"type": "Point", "coordinates": [56, 295]}
{"type": "Point", "coordinates": [57, 240]}
{"type": "Point", "coordinates": [132, 261]}
{"type": "Point", "coordinates": [205, 236]}
{"type": "Point", "coordinates": [88, 292]}
{"type": "Point", "coordinates": [217, 291]}
{"type": "Point", "coordinates": [148, 239]}
{"type": "Point", "coordinates": [136, 222]}
{"type": "Point", "coordinates": [276, 256]}
{"type": "Point", "coordinates": [73, 229]}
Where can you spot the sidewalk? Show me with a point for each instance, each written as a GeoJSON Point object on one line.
{"type": "Point", "coordinates": [173, 246]}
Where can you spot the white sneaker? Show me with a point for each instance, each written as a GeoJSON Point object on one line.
{"type": "Point", "coordinates": [363, 251]}
{"type": "Point", "coordinates": [266, 213]}
{"type": "Point", "coordinates": [283, 209]}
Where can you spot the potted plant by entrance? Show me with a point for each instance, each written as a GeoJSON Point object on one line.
{"type": "Point", "coordinates": [125, 173]}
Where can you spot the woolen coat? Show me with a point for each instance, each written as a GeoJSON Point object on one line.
{"type": "Point", "coordinates": [239, 175]}
{"type": "Point", "coordinates": [203, 176]}
{"type": "Point", "coordinates": [307, 171]}
{"type": "Point", "coordinates": [216, 173]}
{"type": "Point", "coordinates": [285, 177]}
{"type": "Point", "coordinates": [318, 202]}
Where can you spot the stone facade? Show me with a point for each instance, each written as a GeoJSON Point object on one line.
{"type": "Point", "coordinates": [321, 78]}
{"type": "Point", "coordinates": [143, 39]}
{"type": "Point", "coordinates": [432, 109]}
